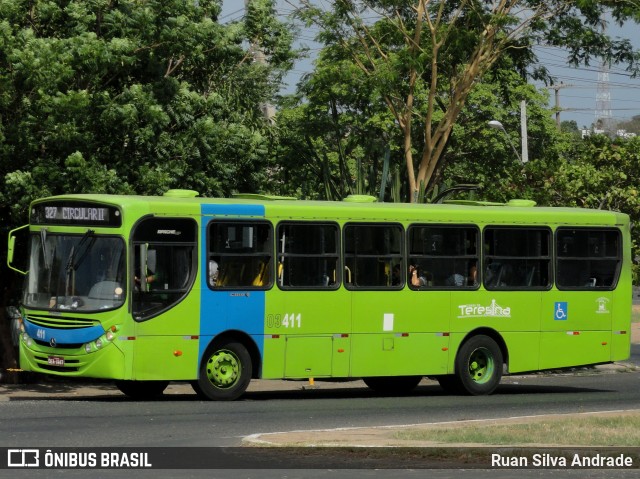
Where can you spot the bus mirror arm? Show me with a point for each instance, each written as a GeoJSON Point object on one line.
{"type": "Point", "coordinates": [11, 248]}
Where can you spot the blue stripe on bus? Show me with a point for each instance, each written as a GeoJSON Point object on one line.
{"type": "Point", "coordinates": [233, 210]}
{"type": "Point", "coordinates": [63, 336]}
{"type": "Point", "coordinates": [227, 310]}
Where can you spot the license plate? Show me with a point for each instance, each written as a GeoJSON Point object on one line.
{"type": "Point", "coordinates": [55, 361]}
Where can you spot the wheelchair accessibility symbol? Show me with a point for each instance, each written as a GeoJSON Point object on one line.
{"type": "Point", "coordinates": [560, 311]}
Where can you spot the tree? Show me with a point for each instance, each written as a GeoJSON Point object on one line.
{"type": "Point", "coordinates": [338, 133]}
{"type": "Point", "coordinates": [134, 96]}
{"type": "Point", "coordinates": [570, 127]}
{"type": "Point", "coordinates": [425, 58]}
{"type": "Point", "coordinates": [479, 155]}
{"type": "Point", "coordinates": [335, 133]}
{"type": "Point", "coordinates": [599, 173]}
{"type": "Point", "coordinates": [631, 126]}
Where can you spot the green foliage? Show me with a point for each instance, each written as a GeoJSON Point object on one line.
{"type": "Point", "coordinates": [480, 155]}
{"type": "Point", "coordinates": [423, 59]}
{"type": "Point", "coordinates": [134, 96]}
{"type": "Point", "coordinates": [600, 173]}
{"type": "Point", "coordinates": [334, 136]}
{"type": "Point", "coordinates": [631, 126]}
{"type": "Point", "coordinates": [342, 119]}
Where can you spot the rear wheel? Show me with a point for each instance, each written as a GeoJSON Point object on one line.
{"type": "Point", "coordinates": [479, 365]}
{"type": "Point", "coordinates": [393, 384]}
{"type": "Point", "coordinates": [142, 390]}
{"type": "Point", "coordinates": [225, 372]}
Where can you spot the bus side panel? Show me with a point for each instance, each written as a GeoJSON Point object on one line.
{"type": "Point", "coordinates": [273, 357]}
{"type": "Point", "coordinates": [621, 310]}
{"type": "Point", "coordinates": [576, 328]}
{"type": "Point", "coordinates": [307, 333]}
{"type": "Point", "coordinates": [574, 348]}
{"type": "Point", "coordinates": [523, 350]}
{"type": "Point", "coordinates": [400, 333]}
{"type": "Point", "coordinates": [514, 315]}
{"type": "Point", "coordinates": [165, 357]}
{"type": "Point", "coordinates": [166, 346]}
{"type": "Point", "coordinates": [577, 311]}
{"type": "Point", "coordinates": [228, 310]}
{"type": "Point", "coordinates": [621, 329]}
{"type": "Point", "coordinates": [395, 354]}
{"type": "Point", "coordinates": [237, 311]}
{"type": "Point", "coordinates": [308, 357]}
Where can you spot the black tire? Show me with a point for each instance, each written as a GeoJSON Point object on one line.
{"type": "Point", "coordinates": [479, 365]}
{"type": "Point", "coordinates": [392, 384]}
{"type": "Point", "coordinates": [225, 372]}
{"type": "Point", "coordinates": [142, 390]}
{"type": "Point", "coordinates": [450, 383]}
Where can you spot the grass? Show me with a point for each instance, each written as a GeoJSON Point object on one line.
{"type": "Point", "coordinates": [620, 430]}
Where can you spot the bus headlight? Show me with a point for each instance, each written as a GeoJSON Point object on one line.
{"type": "Point", "coordinates": [107, 337]}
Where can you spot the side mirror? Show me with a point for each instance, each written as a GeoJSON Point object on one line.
{"type": "Point", "coordinates": [11, 248]}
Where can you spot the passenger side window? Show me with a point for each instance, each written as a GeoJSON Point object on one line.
{"type": "Point", "coordinates": [373, 256]}
{"type": "Point", "coordinates": [240, 255]}
{"type": "Point", "coordinates": [516, 258]}
{"type": "Point", "coordinates": [443, 257]}
{"type": "Point", "coordinates": [307, 256]}
{"type": "Point", "coordinates": [588, 258]}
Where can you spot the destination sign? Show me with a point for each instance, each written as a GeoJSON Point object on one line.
{"type": "Point", "coordinates": [75, 213]}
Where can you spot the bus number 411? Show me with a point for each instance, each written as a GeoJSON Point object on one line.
{"type": "Point", "coordinates": [289, 321]}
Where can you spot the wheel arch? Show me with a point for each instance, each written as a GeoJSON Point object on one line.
{"type": "Point", "coordinates": [248, 342]}
{"type": "Point", "coordinates": [493, 334]}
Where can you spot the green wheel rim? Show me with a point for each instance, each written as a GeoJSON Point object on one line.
{"type": "Point", "coordinates": [481, 365]}
{"type": "Point", "coordinates": [224, 369]}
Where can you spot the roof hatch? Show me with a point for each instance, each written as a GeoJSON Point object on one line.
{"type": "Point", "coordinates": [181, 193]}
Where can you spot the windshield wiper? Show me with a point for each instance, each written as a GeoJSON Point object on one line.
{"type": "Point", "coordinates": [45, 252]}
{"type": "Point", "coordinates": [72, 263]}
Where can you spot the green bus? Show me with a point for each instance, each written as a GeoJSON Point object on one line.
{"type": "Point", "coordinates": [147, 290]}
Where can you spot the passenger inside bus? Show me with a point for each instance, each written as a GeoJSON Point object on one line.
{"type": "Point", "coordinates": [417, 277]}
{"type": "Point", "coordinates": [213, 272]}
{"type": "Point", "coordinates": [396, 275]}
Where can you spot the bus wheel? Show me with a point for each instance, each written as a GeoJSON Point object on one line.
{"type": "Point", "coordinates": [142, 390]}
{"type": "Point", "coordinates": [479, 365]}
{"type": "Point", "coordinates": [225, 372]}
{"type": "Point", "coordinates": [393, 384]}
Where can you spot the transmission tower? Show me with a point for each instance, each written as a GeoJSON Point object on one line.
{"type": "Point", "coordinates": [603, 117]}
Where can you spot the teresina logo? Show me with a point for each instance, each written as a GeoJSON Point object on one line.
{"type": "Point", "coordinates": [493, 310]}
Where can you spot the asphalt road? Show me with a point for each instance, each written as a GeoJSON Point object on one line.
{"type": "Point", "coordinates": [109, 420]}
{"type": "Point", "coordinates": [183, 420]}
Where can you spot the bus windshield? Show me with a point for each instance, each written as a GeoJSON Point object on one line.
{"type": "Point", "coordinates": [75, 272]}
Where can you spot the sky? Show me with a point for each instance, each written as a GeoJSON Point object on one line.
{"type": "Point", "coordinates": [577, 98]}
